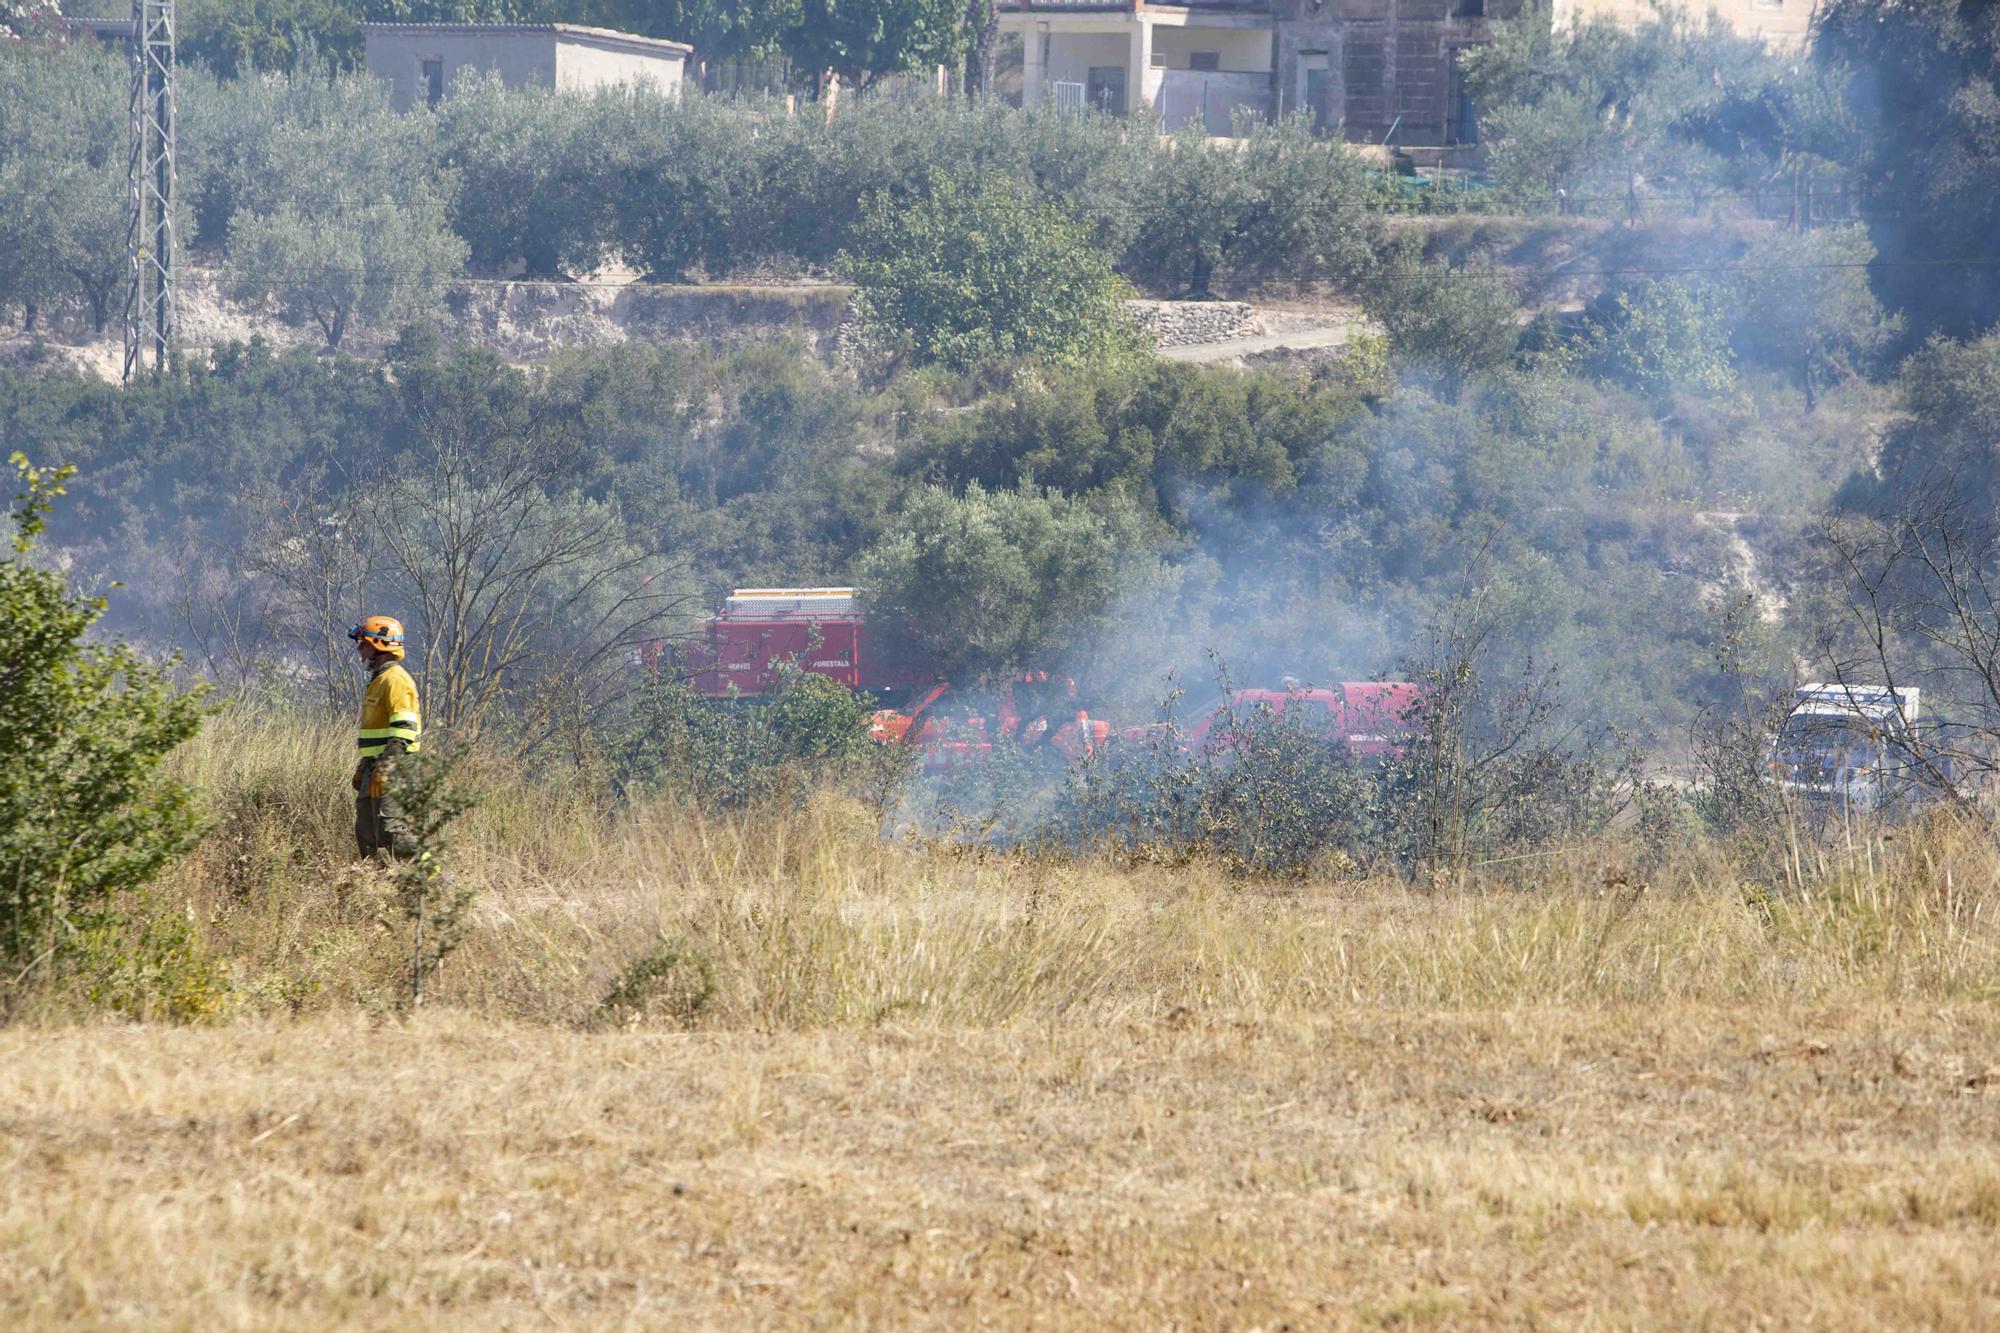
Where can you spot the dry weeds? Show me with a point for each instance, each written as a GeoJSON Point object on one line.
{"type": "Point", "coordinates": [1693, 1166]}
{"type": "Point", "coordinates": [876, 1085]}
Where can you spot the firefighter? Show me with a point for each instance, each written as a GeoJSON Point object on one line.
{"type": "Point", "coordinates": [391, 725]}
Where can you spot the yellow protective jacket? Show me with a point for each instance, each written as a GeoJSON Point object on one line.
{"type": "Point", "coordinates": [391, 722]}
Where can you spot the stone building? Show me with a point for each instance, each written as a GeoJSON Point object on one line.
{"type": "Point", "coordinates": [419, 61]}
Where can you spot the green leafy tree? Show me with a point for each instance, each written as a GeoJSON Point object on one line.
{"type": "Point", "coordinates": [1948, 440]}
{"type": "Point", "coordinates": [1191, 211]}
{"type": "Point", "coordinates": [691, 184]}
{"type": "Point", "coordinates": [382, 262]}
{"type": "Point", "coordinates": [1549, 150]}
{"type": "Point", "coordinates": [969, 275]}
{"type": "Point", "coordinates": [1279, 201]}
{"type": "Point", "coordinates": [243, 141]}
{"type": "Point", "coordinates": [1446, 325]}
{"type": "Point", "coordinates": [1596, 112]}
{"type": "Point", "coordinates": [1921, 77]}
{"type": "Point", "coordinates": [863, 40]}
{"type": "Point", "coordinates": [1814, 313]}
{"type": "Point", "coordinates": [534, 178]}
{"type": "Point", "coordinates": [339, 213]}
{"type": "Point", "coordinates": [995, 581]}
{"type": "Point", "coordinates": [238, 38]}
{"type": "Point", "coordinates": [1669, 335]}
{"type": "Point", "coordinates": [62, 177]}
{"type": "Point", "coordinates": [717, 29]}
{"type": "Point", "coordinates": [85, 816]}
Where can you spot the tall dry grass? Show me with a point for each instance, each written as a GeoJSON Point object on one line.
{"type": "Point", "coordinates": [803, 917]}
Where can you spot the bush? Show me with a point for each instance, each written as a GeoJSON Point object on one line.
{"type": "Point", "coordinates": [1672, 334]}
{"type": "Point", "coordinates": [811, 732]}
{"type": "Point", "coordinates": [973, 274]}
{"type": "Point", "coordinates": [85, 818]}
{"type": "Point", "coordinates": [1268, 793]}
{"type": "Point", "coordinates": [1446, 325]}
{"type": "Point", "coordinates": [1284, 203]}
{"type": "Point", "coordinates": [995, 581]}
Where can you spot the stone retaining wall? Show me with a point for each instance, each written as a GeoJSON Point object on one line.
{"type": "Point", "coordinates": [1185, 323]}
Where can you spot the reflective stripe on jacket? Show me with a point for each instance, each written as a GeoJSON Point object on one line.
{"type": "Point", "coordinates": [389, 712]}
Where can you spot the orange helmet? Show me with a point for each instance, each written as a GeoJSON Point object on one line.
{"type": "Point", "coordinates": [381, 632]}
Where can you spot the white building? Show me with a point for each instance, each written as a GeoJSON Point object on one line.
{"type": "Point", "coordinates": [419, 61]}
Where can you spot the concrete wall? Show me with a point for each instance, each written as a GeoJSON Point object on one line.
{"type": "Point", "coordinates": [1071, 55]}
{"type": "Point", "coordinates": [1242, 50]}
{"type": "Point", "coordinates": [521, 59]}
{"type": "Point", "coordinates": [1188, 97]}
{"type": "Point", "coordinates": [582, 65]}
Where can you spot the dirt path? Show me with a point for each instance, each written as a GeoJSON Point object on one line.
{"type": "Point", "coordinates": [1743, 561]}
{"type": "Point", "coordinates": [1330, 335]}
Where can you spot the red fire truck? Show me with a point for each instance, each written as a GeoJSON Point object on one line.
{"type": "Point", "coordinates": [1371, 718]}
{"type": "Point", "coordinates": [760, 631]}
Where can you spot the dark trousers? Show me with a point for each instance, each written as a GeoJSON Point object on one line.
{"type": "Point", "coordinates": [377, 830]}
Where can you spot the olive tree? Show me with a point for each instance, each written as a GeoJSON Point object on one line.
{"type": "Point", "coordinates": [993, 581]}
{"type": "Point", "coordinates": [969, 274]}
{"type": "Point", "coordinates": [379, 262]}
{"type": "Point", "coordinates": [1815, 315]}
{"type": "Point", "coordinates": [343, 216]}
{"type": "Point", "coordinates": [62, 178]}
{"type": "Point", "coordinates": [1446, 324]}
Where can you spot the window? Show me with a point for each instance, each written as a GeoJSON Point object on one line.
{"type": "Point", "coordinates": [1104, 88]}
{"type": "Point", "coordinates": [1208, 61]}
{"type": "Point", "coordinates": [432, 76]}
{"type": "Point", "coordinates": [1469, 9]}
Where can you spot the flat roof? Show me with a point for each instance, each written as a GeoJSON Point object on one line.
{"type": "Point", "coordinates": [101, 27]}
{"type": "Point", "coordinates": [574, 32]}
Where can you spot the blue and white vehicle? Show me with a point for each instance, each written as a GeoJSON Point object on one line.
{"type": "Point", "coordinates": [1849, 747]}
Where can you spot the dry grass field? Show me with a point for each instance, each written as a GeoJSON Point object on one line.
{"type": "Point", "coordinates": [771, 1071]}
{"type": "Point", "coordinates": [1812, 1167]}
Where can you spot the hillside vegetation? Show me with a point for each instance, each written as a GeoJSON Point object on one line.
{"type": "Point", "coordinates": [1556, 1006]}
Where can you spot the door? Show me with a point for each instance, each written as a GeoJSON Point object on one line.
{"type": "Point", "coordinates": [1105, 89]}
{"type": "Point", "coordinates": [1461, 121]}
{"type": "Point", "coordinates": [1316, 90]}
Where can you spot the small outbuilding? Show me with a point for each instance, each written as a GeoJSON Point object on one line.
{"type": "Point", "coordinates": [419, 61]}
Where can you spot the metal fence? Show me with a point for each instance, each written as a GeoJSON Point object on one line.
{"type": "Point", "coordinates": [1064, 96]}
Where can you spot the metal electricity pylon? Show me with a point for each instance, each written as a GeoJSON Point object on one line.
{"type": "Point", "coordinates": [149, 237]}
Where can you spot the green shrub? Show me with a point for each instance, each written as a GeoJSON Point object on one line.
{"type": "Point", "coordinates": [972, 274]}
{"type": "Point", "coordinates": [810, 732]}
{"type": "Point", "coordinates": [85, 817]}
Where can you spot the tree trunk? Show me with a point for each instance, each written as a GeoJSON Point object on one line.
{"type": "Point", "coordinates": [982, 21]}
{"type": "Point", "coordinates": [1199, 275]}
{"type": "Point", "coordinates": [30, 314]}
{"type": "Point", "coordinates": [98, 294]}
